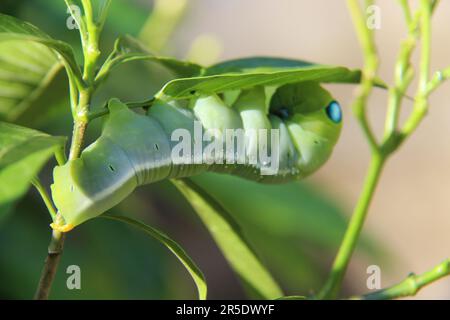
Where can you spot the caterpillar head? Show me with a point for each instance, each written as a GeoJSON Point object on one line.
{"type": "Point", "coordinates": [313, 118]}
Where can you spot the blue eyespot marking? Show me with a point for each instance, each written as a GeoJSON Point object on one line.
{"type": "Point", "coordinates": [334, 112]}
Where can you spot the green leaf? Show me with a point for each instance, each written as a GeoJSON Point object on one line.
{"type": "Point", "coordinates": [128, 49]}
{"type": "Point", "coordinates": [14, 29]}
{"type": "Point", "coordinates": [255, 64]}
{"type": "Point", "coordinates": [27, 70]}
{"type": "Point", "coordinates": [230, 240]}
{"type": "Point", "coordinates": [174, 247]}
{"type": "Point", "coordinates": [260, 75]}
{"type": "Point", "coordinates": [273, 64]}
{"type": "Point", "coordinates": [23, 152]}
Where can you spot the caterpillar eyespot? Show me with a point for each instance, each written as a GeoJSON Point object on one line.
{"type": "Point", "coordinates": [334, 112]}
{"type": "Point", "coordinates": [136, 149]}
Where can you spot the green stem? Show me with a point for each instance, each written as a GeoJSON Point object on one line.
{"type": "Point", "coordinates": [367, 42]}
{"type": "Point", "coordinates": [80, 124]}
{"type": "Point", "coordinates": [333, 283]}
{"type": "Point", "coordinates": [60, 155]}
{"type": "Point", "coordinates": [404, 74]}
{"type": "Point", "coordinates": [55, 248]}
{"type": "Point", "coordinates": [90, 34]}
{"type": "Point", "coordinates": [45, 197]}
{"type": "Point", "coordinates": [88, 11]}
{"type": "Point", "coordinates": [92, 53]}
{"type": "Point", "coordinates": [425, 31]}
{"type": "Point", "coordinates": [423, 91]}
{"type": "Point", "coordinates": [132, 105]}
{"type": "Point", "coordinates": [366, 39]}
{"type": "Point", "coordinates": [406, 10]}
{"type": "Point", "coordinates": [438, 78]}
{"type": "Point", "coordinates": [411, 285]}
{"type": "Point", "coordinates": [91, 47]}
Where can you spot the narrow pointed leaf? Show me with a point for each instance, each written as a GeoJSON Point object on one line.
{"type": "Point", "coordinates": [255, 64]}
{"type": "Point", "coordinates": [174, 247]}
{"type": "Point", "coordinates": [189, 87]}
{"type": "Point", "coordinates": [128, 49]}
{"type": "Point", "coordinates": [230, 240]}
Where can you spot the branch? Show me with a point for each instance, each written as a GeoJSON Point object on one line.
{"type": "Point", "coordinates": [421, 100]}
{"type": "Point", "coordinates": [366, 38]}
{"type": "Point", "coordinates": [80, 102]}
{"type": "Point", "coordinates": [411, 285]}
{"type": "Point", "coordinates": [51, 265]}
{"type": "Point", "coordinates": [333, 284]}
{"type": "Point", "coordinates": [404, 72]}
{"type": "Point", "coordinates": [91, 49]}
{"type": "Point", "coordinates": [406, 10]}
{"type": "Point", "coordinates": [367, 42]}
{"type": "Point", "coordinates": [438, 78]}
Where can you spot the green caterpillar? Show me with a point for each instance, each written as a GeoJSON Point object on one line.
{"type": "Point", "coordinates": [136, 149]}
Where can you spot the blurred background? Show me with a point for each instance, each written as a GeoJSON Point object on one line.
{"type": "Point", "coordinates": [295, 228]}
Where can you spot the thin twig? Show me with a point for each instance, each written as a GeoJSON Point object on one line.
{"type": "Point", "coordinates": [132, 105]}
{"type": "Point", "coordinates": [45, 197]}
{"type": "Point", "coordinates": [421, 100]}
{"type": "Point", "coordinates": [367, 42]}
{"type": "Point", "coordinates": [404, 72]}
{"type": "Point", "coordinates": [411, 285]}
